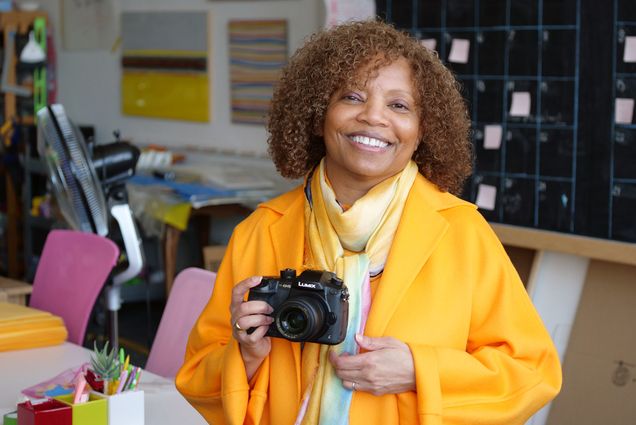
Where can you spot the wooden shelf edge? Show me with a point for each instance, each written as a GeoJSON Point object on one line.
{"type": "Point", "coordinates": [545, 240]}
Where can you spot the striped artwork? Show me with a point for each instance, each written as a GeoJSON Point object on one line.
{"type": "Point", "coordinates": [258, 50]}
{"type": "Point", "coordinates": [165, 65]}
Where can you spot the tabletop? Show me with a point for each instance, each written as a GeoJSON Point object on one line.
{"type": "Point", "coordinates": [24, 368]}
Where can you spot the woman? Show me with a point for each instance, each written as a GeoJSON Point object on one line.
{"type": "Point", "coordinates": [441, 330]}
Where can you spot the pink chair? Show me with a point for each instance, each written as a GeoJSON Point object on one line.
{"type": "Point", "coordinates": [190, 293]}
{"type": "Point", "coordinates": [71, 272]}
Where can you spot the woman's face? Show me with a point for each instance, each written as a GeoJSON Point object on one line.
{"type": "Point", "coordinates": [371, 132]}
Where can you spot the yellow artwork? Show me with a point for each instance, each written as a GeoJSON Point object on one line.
{"type": "Point", "coordinates": [165, 95]}
{"type": "Point", "coordinates": [165, 65]}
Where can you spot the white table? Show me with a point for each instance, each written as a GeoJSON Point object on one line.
{"type": "Point", "coordinates": [24, 368]}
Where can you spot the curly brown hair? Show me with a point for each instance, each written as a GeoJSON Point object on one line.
{"type": "Point", "coordinates": [331, 59]}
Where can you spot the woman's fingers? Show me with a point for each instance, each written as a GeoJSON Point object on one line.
{"type": "Point", "coordinates": [252, 307]}
{"type": "Point", "coordinates": [240, 308]}
{"type": "Point", "coordinates": [249, 316]}
{"type": "Point", "coordinates": [385, 368]}
{"type": "Point", "coordinates": [241, 288]}
{"type": "Point", "coordinates": [244, 323]}
{"type": "Point", "coordinates": [253, 338]}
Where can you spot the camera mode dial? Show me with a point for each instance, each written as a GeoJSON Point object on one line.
{"type": "Point", "coordinates": [288, 274]}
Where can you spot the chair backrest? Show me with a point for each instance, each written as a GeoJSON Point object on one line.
{"type": "Point", "coordinates": [71, 272]}
{"type": "Point", "coordinates": [190, 293]}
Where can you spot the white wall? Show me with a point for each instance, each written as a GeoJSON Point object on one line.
{"type": "Point", "coordinates": [89, 81]}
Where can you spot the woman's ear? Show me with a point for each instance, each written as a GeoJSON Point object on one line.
{"type": "Point", "coordinates": [420, 140]}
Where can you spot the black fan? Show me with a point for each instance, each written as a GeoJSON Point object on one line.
{"type": "Point", "coordinates": [90, 189]}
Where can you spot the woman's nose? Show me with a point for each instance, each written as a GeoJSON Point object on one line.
{"type": "Point", "coordinates": [373, 113]}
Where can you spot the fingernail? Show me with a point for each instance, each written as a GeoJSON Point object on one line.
{"type": "Point", "coordinates": [359, 338]}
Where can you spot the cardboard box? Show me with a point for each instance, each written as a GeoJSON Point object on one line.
{"type": "Point", "coordinates": [599, 370]}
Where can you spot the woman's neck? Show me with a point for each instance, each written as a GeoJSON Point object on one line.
{"type": "Point", "coordinates": [348, 189]}
{"type": "Point", "coordinates": [348, 194]}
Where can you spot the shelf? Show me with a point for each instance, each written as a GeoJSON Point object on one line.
{"type": "Point", "coordinates": [583, 246]}
{"type": "Point", "coordinates": [15, 27]}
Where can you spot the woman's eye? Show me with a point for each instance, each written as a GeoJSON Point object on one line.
{"type": "Point", "coordinates": [400, 106]}
{"type": "Point", "coordinates": [352, 97]}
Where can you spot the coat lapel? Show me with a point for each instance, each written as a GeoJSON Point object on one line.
{"type": "Point", "coordinates": [420, 230]}
{"type": "Point", "coordinates": [288, 233]}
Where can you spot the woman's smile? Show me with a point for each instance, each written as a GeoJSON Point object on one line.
{"type": "Point", "coordinates": [369, 142]}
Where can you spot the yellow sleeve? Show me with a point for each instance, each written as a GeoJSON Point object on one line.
{"type": "Point", "coordinates": [510, 367]}
{"type": "Point", "coordinates": [213, 377]}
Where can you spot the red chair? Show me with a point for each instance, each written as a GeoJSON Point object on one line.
{"type": "Point", "coordinates": [191, 290]}
{"type": "Point", "coordinates": [72, 270]}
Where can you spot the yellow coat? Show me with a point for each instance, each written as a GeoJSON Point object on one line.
{"type": "Point", "coordinates": [481, 352]}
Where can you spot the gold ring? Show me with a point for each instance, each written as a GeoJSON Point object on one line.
{"type": "Point", "coordinates": [238, 327]}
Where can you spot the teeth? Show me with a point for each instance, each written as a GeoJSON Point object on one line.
{"type": "Point", "coordinates": [368, 141]}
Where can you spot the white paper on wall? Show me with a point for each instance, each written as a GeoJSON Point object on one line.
{"type": "Point", "coordinates": [629, 54]}
{"type": "Point", "coordinates": [624, 111]}
{"type": "Point", "coordinates": [459, 51]}
{"type": "Point", "coordinates": [88, 25]}
{"type": "Point", "coordinates": [429, 43]}
{"type": "Point", "coordinates": [520, 105]}
{"type": "Point", "coordinates": [492, 136]}
{"type": "Point", "coordinates": [486, 197]}
{"type": "Point", "coordinates": [338, 11]}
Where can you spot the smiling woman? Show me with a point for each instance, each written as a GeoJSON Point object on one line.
{"type": "Point", "coordinates": [349, 59]}
{"type": "Point", "coordinates": [371, 132]}
{"type": "Point", "coordinates": [439, 328]}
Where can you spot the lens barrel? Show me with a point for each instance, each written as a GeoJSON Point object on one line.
{"type": "Point", "coordinates": [301, 319]}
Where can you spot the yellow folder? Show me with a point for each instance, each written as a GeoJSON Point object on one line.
{"type": "Point", "coordinates": [25, 327]}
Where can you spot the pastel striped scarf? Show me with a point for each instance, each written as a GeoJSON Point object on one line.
{"type": "Point", "coordinates": [367, 229]}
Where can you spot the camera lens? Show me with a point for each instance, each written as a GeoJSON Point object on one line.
{"type": "Point", "coordinates": [301, 319]}
{"type": "Point", "coordinates": [294, 321]}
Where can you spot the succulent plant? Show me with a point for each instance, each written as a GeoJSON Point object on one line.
{"type": "Point", "coordinates": [105, 362]}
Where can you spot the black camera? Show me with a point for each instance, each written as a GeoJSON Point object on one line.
{"type": "Point", "coordinates": [312, 307]}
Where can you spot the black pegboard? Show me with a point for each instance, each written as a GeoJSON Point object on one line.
{"type": "Point", "coordinates": [565, 165]}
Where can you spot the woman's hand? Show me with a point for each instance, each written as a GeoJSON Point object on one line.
{"type": "Point", "coordinates": [250, 314]}
{"type": "Point", "coordinates": [386, 366]}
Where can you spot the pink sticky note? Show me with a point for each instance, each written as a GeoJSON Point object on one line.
{"type": "Point", "coordinates": [429, 43]}
{"type": "Point", "coordinates": [460, 48]}
{"type": "Point", "coordinates": [486, 197]}
{"type": "Point", "coordinates": [629, 54]}
{"type": "Point", "coordinates": [521, 104]}
{"type": "Point", "coordinates": [624, 111]}
{"type": "Point", "coordinates": [492, 136]}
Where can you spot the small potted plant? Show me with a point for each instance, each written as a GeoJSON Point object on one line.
{"type": "Point", "coordinates": [105, 365]}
